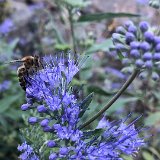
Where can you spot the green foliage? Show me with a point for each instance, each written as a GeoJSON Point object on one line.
{"type": "Point", "coordinates": [77, 3]}
{"type": "Point", "coordinates": [85, 104]}
{"type": "Point", "coordinates": [34, 135]}
{"type": "Point", "coordinates": [104, 46]}
{"type": "Point", "coordinates": [98, 90]}
{"type": "Point", "coordinates": [153, 119]}
{"type": "Point", "coordinates": [93, 133]}
{"type": "Point", "coordinates": [7, 49]}
{"type": "Point", "coordinates": [54, 24]}
{"type": "Point", "coordinates": [147, 156]}
{"type": "Point", "coordinates": [154, 152]}
{"type": "Point", "coordinates": [102, 16]}
{"type": "Point", "coordinates": [7, 102]}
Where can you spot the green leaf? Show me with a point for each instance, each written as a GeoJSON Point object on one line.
{"type": "Point", "coordinates": [62, 47]}
{"type": "Point", "coordinates": [51, 26]}
{"type": "Point", "coordinates": [152, 119]}
{"type": "Point", "coordinates": [76, 82]}
{"type": "Point", "coordinates": [101, 16]}
{"type": "Point", "coordinates": [3, 122]}
{"type": "Point", "coordinates": [99, 90]}
{"type": "Point", "coordinates": [93, 133]}
{"type": "Point", "coordinates": [13, 44]}
{"type": "Point", "coordinates": [85, 103]}
{"type": "Point", "coordinates": [147, 156]}
{"type": "Point", "coordinates": [7, 101]}
{"type": "Point", "coordinates": [154, 151]}
{"type": "Point", "coordinates": [77, 3]}
{"type": "Point", "coordinates": [13, 114]}
{"type": "Point", "coordinates": [104, 46]}
{"type": "Point", "coordinates": [126, 157]}
{"type": "Point", "coordinates": [86, 73]}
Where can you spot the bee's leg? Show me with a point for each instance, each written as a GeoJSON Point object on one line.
{"type": "Point", "coordinates": [22, 83]}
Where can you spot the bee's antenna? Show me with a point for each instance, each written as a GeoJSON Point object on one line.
{"type": "Point", "coordinates": [14, 61]}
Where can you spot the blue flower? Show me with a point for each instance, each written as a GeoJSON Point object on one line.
{"type": "Point", "coordinates": [143, 26]}
{"type": "Point", "coordinates": [58, 113]}
{"type": "Point", "coordinates": [135, 53]}
{"type": "Point", "coordinates": [140, 46]}
{"type": "Point", "coordinates": [27, 152]}
{"type": "Point", "coordinates": [6, 26]}
{"type": "Point", "coordinates": [53, 156]}
{"type": "Point", "coordinates": [25, 107]}
{"type": "Point", "coordinates": [41, 109]}
{"type": "Point", "coordinates": [51, 143]}
{"type": "Point", "coordinates": [32, 120]}
{"type": "Point", "coordinates": [119, 138]}
{"type": "Point", "coordinates": [44, 122]}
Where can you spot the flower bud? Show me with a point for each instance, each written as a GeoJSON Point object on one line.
{"type": "Point", "coordinates": [156, 39]}
{"type": "Point", "coordinates": [63, 151]}
{"type": "Point", "coordinates": [128, 23]}
{"type": "Point", "coordinates": [157, 47]}
{"type": "Point", "coordinates": [145, 46]}
{"type": "Point", "coordinates": [120, 30]}
{"type": "Point", "coordinates": [47, 129]}
{"type": "Point", "coordinates": [51, 144]}
{"type": "Point", "coordinates": [44, 122]}
{"type": "Point", "coordinates": [143, 75]}
{"type": "Point", "coordinates": [32, 120]}
{"type": "Point", "coordinates": [120, 47]}
{"type": "Point", "coordinates": [125, 61]}
{"type": "Point", "coordinates": [149, 36]}
{"type": "Point", "coordinates": [139, 63]}
{"type": "Point", "coordinates": [147, 56]}
{"type": "Point", "coordinates": [41, 109]}
{"type": "Point", "coordinates": [25, 107]}
{"type": "Point", "coordinates": [129, 37]}
{"type": "Point", "coordinates": [155, 76]}
{"type": "Point", "coordinates": [116, 37]}
{"type": "Point", "coordinates": [132, 29]}
{"type": "Point", "coordinates": [156, 56]}
{"type": "Point", "coordinates": [135, 53]}
{"type": "Point", "coordinates": [53, 156]}
{"type": "Point", "coordinates": [134, 45]}
{"type": "Point", "coordinates": [143, 26]}
{"type": "Point", "coordinates": [148, 64]}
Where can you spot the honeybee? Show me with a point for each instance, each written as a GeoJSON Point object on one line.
{"type": "Point", "coordinates": [30, 65]}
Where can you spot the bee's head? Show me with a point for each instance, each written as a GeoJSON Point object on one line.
{"type": "Point", "coordinates": [28, 61]}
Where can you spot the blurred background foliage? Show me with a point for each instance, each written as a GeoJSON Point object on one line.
{"type": "Point", "coordinates": [43, 27]}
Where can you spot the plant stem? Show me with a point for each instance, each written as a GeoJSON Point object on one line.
{"type": "Point", "coordinates": [72, 30]}
{"type": "Point", "coordinates": [117, 95]}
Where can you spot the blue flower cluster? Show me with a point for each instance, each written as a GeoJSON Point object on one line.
{"type": "Point", "coordinates": [139, 46]}
{"type": "Point", "coordinates": [28, 152]}
{"type": "Point", "coordinates": [59, 112]}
